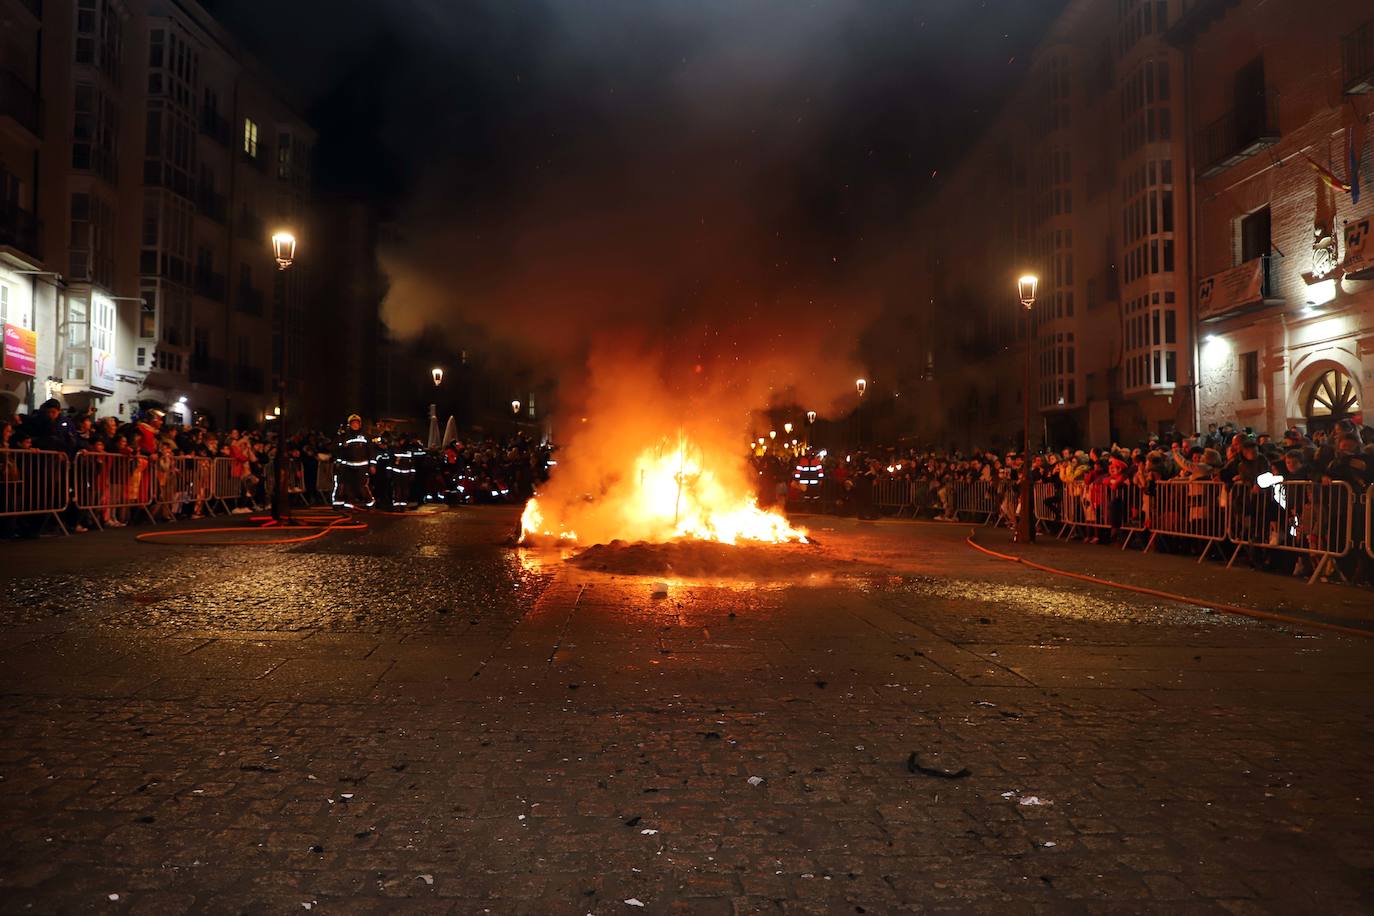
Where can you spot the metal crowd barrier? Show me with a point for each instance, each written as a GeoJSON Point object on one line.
{"type": "Point", "coordinates": [1188, 509]}
{"type": "Point", "coordinates": [324, 480]}
{"type": "Point", "coordinates": [34, 482]}
{"type": "Point", "coordinates": [898, 493]}
{"type": "Point", "coordinates": [1098, 505]}
{"type": "Point", "coordinates": [178, 481]}
{"type": "Point", "coordinates": [1369, 521]}
{"type": "Point", "coordinates": [225, 485]}
{"type": "Point", "coordinates": [1300, 516]}
{"type": "Point", "coordinates": [978, 497]}
{"type": "Point", "coordinates": [105, 483]}
{"type": "Point", "coordinates": [1048, 507]}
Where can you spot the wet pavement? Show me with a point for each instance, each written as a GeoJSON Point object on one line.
{"type": "Point", "coordinates": [416, 718]}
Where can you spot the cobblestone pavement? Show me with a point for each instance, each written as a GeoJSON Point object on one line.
{"type": "Point", "coordinates": [416, 719]}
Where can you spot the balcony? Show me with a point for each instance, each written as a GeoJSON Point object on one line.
{"type": "Point", "coordinates": [248, 379]}
{"type": "Point", "coordinates": [212, 205]}
{"type": "Point", "coordinates": [21, 103]}
{"type": "Point", "coordinates": [216, 128]}
{"type": "Point", "coordinates": [19, 229]}
{"type": "Point", "coordinates": [1238, 135]}
{"type": "Point", "coordinates": [1357, 60]}
{"type": "Point", "coordinates": [1248, 286]}
{"type": "Point", "coordinates": [207, 370]}
{"type": "Point", "coordinates": [210, 284]}
{"type": "Point", "coordinates": [248, 301]}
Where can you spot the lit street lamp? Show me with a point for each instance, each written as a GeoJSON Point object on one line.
{"type": "Point", "coordinates": [860, 385]}
{"type": "Point", "coordinates": [284, 250]}
{"type": "Point", "coordinates": [438, 375]}
{"type": "Point", "coordinates": [810, 416]}
{"type": "Point", "coordinates": [515, 407]}
{"type": "Point", "coordinates": [772, 434]}
{"type": "Point", "coordinates": [787, 428]}
{"type": "Point", "coordinates": [1025, 523]}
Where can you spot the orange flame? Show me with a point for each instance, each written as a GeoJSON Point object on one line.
{"type": "Point", "coordinates": [672, 492]}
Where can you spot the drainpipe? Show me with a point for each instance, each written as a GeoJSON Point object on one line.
{"type": "Point", "coordinates": [230, 293]}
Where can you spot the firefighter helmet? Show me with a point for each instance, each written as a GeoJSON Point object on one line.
{"type": "Point", "coordinates": [354, 416]}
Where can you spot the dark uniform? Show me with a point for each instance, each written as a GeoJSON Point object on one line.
{"type": "Point", "coordinates": [402, 473]}
{"type": "Point", "coordinates": [352, 460]}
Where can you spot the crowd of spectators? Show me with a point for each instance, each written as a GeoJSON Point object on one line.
{"type": "Point", "coordinates": [472, 469]}
{"type": "Point", "coordinates": [1105, 479]}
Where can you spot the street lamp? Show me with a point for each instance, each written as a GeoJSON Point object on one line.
{"type": "Point", "coordinates": [787, 428]}
{"type": "Point", "coordinates": [1025, 523]}
{"type": "Point", "coordinates": [772, 434]}
{"type": "Point", "coordinates": [515, 407]}
{"type": "Point", "coordinates": [810, 416]}
{"type": "Point", "coordinates": [860, 385]}
{"type": "Point", "coordinates": [438, 376]}
{"type": "Point", "coordinates": [284, 251]}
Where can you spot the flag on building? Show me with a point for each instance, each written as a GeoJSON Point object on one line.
{"type": "Point", "coordinates": [1327, 176]}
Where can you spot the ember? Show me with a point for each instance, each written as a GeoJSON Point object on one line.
{"type": "Point", "coordinates": [671, 491]}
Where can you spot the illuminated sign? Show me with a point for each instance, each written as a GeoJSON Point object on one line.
{"type": "Point", "coordinates": [21, 350]}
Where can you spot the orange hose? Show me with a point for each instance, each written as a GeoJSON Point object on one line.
{"type": "Point", "coordinates": [266, 525]}
{"type": "Point", "coordinates": [1184, 599]}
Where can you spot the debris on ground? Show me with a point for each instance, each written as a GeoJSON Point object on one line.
{"type": "Point", "coordinates": [755, 780]}
{"type": "Point", "coordinates": [914, 766]}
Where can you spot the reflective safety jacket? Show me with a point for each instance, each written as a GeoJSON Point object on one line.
{"type": "Point", "coordinates": [353, 450]}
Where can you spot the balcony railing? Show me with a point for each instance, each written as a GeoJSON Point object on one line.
{"type": "Point", "coordinates": [248, 300]}
{"type": "Point", "coordinates": [248, 379]}
{"type": "Point", "coordinates": [207, 370]}
{"type": "Point", "coordinates": [19, 229]}
{"type": "Point", "coordinates": [19, 101]}
{"type": "Point", "coordinates": [210, 284]}
{"type": "Point", "coordinates": [1357, 59]}
{"type": "Point", "coordinates": [216, 128]}
{"type": "Point", "coordinates": [211, 204]}
{"type": "Point", "coordinates": [1238, 134]}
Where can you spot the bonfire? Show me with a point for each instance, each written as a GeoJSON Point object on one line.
{"type": "Point", "coordinates": [672, 491]}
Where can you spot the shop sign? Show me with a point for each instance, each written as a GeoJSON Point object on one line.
{"type": "Point", "coordinates": [21, 350]}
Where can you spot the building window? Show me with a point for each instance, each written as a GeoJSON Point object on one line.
{"type": "Point", "coordinates": [1254, 235]}
{"type": "Point", "coordinates": [250, 137]}
{"type": "Point", "coordinates": [1249, 376]}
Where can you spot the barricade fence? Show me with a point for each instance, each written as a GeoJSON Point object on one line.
{"type": "Point", "coordinates": [1301, 516]}
{"type": "Point", "coordinates": [1191, 509]}
{"type": "Point", "coordinates": [109, 488]}
{"type": "Point", "coordinates": [34, 483]}
{"type": "Point", "coordinates": [1369, 521]}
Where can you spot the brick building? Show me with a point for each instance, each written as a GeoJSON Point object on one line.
{"type": "Point", "coordinates": [144, 163]}
{"type": "Point", "coordinates": [1285, 276]}
{"type": "Point", "coordinates": [1078, 179]}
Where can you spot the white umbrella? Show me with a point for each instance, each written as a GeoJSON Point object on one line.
{"type": "Point", "coordinates": [450, 430]}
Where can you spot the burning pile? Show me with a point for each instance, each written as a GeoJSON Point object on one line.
{"type": "Point", "coordinates": [672, 491]}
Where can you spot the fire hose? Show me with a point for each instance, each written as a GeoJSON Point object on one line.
{"type": "Point", "coordinates": [317, 526]}
{"type": "Point", "coordinates": [1182, 599]}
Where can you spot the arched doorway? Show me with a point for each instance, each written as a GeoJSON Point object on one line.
{"type": "Point", "coordinates": [1332, 397]}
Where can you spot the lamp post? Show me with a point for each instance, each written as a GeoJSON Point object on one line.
{"type": "Point", "coordinates": [284, 251]}
{"type": "Point", "coordinates": [860, 385]}
{"type": "Point", "coordinates": [1025, 521]}
{"type": "Point", "coordinates": [438, 375]}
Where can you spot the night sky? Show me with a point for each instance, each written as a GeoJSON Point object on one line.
{"type": "Point", "coordinates": [556, 168]}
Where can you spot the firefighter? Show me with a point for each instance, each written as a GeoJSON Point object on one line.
{"type": "Point", "coordinates": [352, 459]}
{"type": "Point", "coordinates": [402, 472]}
{"type": "Point", "coordinates": [383, 460]}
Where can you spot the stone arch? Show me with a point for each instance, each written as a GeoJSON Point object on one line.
{"type": "Point", "coordinates": [1312, 374]}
